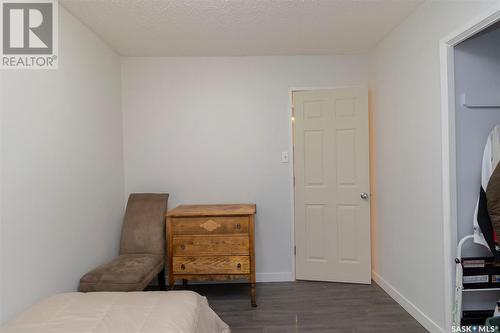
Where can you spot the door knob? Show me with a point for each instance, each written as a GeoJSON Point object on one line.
{"type": "Point", "coordinates": [364, 195]}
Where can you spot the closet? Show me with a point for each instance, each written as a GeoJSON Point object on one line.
{"type": "Point", "coordinates": [477, 112]}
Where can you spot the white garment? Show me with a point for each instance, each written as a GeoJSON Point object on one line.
{"type": "Point", "coordinates": [491, 157]}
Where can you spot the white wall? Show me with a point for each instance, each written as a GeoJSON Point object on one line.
{"type": "Point", "coordinates": [211, 130]}
{"type": "Point", "coordinates": [405, 86]}
{"type": "Point", "coordinates": [62, 169]}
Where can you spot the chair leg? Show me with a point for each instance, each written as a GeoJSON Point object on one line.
{"type": "Point", "coordinates": [161, 280]}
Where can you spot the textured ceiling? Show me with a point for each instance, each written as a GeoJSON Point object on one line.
{"type": "Point", "coordinates": [244, 27]}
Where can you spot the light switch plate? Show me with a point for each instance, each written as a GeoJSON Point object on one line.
{"type": "Point", "coordinates": [284, 157]}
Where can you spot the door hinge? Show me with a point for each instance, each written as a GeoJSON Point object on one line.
{"type": "Point", "coordinates": [295, 250]}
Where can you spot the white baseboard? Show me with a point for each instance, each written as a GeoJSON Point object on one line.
{"type": "Point", "coordinates": [274, 277]}
{"type": "Point", "coordinates": [411, 308]}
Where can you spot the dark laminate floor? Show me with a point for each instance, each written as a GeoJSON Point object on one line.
{"type": "Point", "coordinates": [308, 307]}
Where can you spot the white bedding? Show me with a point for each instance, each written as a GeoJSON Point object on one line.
{"type": "Point", "coordinates": [119, 312]}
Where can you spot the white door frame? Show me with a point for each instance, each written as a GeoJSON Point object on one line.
{"type": "Point", "coordinates": [449, 195]}
{"type": "Point", "coordinates": [291, 162]}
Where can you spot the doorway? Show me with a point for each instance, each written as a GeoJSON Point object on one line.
{"type": "Point", "coordinates": [449, 145]}
{"type": "Point", "coordinates": [331, 185]}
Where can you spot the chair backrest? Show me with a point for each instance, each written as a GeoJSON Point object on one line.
{"type": "Point", "coordinates": [144, 224]}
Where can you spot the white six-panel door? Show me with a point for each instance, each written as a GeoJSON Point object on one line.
{"type": "Point", "coordinates": [332, 206]}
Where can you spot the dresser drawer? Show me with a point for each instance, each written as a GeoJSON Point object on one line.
{"type": "Point", "coordinates": [210, 225]}
{"type": "Point", "coordinates": [211, 265]}
{"type": "Point", "coordinates": [196, 245]}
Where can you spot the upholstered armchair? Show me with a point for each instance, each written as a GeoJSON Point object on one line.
{"type": "Point", "coordinates": [142, 249]}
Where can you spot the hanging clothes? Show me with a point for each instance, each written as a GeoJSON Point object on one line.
{"type": "Point", "coordinates": [493, 201]}
{"type": "Point", "coordinates": [483, 228]}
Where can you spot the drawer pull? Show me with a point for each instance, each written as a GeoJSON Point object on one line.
{"type": "Point", "coordinates": [183, 267]}
{"type": "Point", "coordinates": [183, 247]}
{"type": "Point", "coordinates": [239, 266]}
{"type": "Point", "coordinates": [238, 226]}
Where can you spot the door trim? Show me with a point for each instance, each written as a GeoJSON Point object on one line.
{"type": "Point", "coordinates": [449, 181]}
{"type": "Point", "coordinates": [292, 169]}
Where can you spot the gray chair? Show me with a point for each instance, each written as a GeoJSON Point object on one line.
{"type": "Point", "coordinates": [142, 249]}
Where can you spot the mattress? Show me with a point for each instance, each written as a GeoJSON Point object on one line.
{"type": "Point", "coordinates": [120, 312]}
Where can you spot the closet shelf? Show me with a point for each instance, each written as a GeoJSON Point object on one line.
{"type": "Point", "coordinates": [481, 289]}
{"type": "Point", "coordinates": [480, 102]}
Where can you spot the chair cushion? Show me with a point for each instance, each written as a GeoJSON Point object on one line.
{"type": "Point", "coordinates": [127, 272]}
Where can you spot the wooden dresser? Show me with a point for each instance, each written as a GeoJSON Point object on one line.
{"type": "Point", "coordinates": [211, 242]}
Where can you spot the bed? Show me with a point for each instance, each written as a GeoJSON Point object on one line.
{"type": "Point", "coordinates": [120, 312]}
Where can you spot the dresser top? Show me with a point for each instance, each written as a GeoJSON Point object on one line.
{"type": "Point", "coordinates": [212, 210]}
